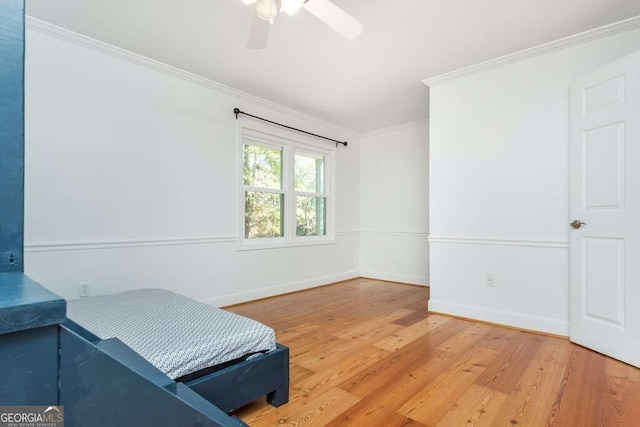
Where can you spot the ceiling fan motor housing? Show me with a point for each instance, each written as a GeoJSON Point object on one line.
{"type": "Point", "coordinates": [267, 9]}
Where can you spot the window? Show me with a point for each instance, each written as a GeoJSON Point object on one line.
{"type": "Point", "coordinates": [311, 199]}
{"type": "Point", "coordinates": [263, 192]}
{"type": "Point", "coordinates": [286, 195]}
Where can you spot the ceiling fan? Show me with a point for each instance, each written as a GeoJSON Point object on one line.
{"type": "Point", "coordinates": [325, 10]}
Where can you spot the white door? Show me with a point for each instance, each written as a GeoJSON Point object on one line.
{"type": "Point", "coordinates": [605, 196]}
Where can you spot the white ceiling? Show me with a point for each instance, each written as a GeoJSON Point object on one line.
{"type": "Point", "coordinates": [368, 83]}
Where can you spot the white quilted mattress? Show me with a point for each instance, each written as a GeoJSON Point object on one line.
{"type": "Point", "coordinates": [174, 333]}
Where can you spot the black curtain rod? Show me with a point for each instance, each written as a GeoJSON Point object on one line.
{"type": "Point", "coordinates": [238, 111]}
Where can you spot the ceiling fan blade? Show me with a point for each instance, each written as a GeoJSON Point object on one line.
{"type": "Point", "coordinates": [335, 17]}
{"type": "Point", "coordinates": [259, 33]}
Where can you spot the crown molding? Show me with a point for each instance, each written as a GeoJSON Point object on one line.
{"type": "Point", "coordinates": [64, 34]}
{"type": "Point", "coordinates": [563, 43]}
{"type": "Point", "coordinates": [396, 128]}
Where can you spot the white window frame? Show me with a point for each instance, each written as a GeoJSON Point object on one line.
{"type": "Point", "coordinates": [291, 143]}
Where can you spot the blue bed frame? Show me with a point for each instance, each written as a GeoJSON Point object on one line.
{"type": "Point", "coordinates": [228, 389]}
{"type": "Point", "coordinates": [236, 385]}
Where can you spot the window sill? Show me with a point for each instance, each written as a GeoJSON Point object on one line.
{"type": "Point", "coordinates": [284, 245]}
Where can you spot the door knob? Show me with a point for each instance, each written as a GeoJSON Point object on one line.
{"type": "Point", "coordinates": [577, 224]}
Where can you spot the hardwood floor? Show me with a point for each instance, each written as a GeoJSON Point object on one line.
{"type": "Point", "coordinates": [366, 353]}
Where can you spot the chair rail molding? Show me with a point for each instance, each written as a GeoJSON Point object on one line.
{"type": "Point", "coordinates": [117, 244]}
{"type": "Point", "coordinates": [138, 243]}
{"type": "Point", "coordinates": [468, 240]}
{"type": "Point", "coordinates": [420, 234]}
{"type": "Point", "coordinates": [348, 233]}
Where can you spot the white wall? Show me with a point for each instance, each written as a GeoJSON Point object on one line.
{"type": "Point", "coordinates": [131, 180]}
{"type": "Point", "coordinates": [394, 203]}
{"type": "Point", "coordinates": [499, 186]}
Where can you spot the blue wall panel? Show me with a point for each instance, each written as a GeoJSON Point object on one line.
{"type": "Point", "coordinates": [11, 135]}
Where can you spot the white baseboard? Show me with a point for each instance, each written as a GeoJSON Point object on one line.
{"type": "Point", "coordinates": [541, 324]}
{"type": "Point", "coordinates": [395, 277]}
{"type": "Point", "coordinates": [270, 291]}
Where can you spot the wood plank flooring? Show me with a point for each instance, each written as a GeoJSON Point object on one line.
{"type": "Point", "coordinates": [366, 353]}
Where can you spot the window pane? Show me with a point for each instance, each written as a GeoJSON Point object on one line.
{"type": "Point", "coordinates": [262, 167]}
{"type": "Point", "coordinates": [311, 216]}
{"type": "Point", "coordinates": [309, 174]}
{"type": "Point", "coordinates": [263, 215]}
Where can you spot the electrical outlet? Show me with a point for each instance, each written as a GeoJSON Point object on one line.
{"type": "Point", "coordinates": [85, 289]}
{"type": "Point", "coordinates": [490, 280]}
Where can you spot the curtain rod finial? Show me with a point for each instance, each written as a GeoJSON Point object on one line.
{"type": "Point", "coordinates": [236, 111]}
